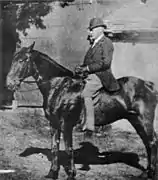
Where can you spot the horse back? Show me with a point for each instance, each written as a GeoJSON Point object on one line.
{"type": "Point", "coordinates": [136, 88]}
{"type": "Point", "coordinates": [134, 95]}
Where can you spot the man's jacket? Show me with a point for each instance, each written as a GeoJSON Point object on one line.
{"type": "Point", "coordinates": [98, 59]}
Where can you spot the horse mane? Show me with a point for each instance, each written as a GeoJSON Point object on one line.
{"type": "Point", "coordinates": [48, 59]}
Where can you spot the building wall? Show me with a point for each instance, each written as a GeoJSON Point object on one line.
{"type": "Point", "coordinates": [65, 36]}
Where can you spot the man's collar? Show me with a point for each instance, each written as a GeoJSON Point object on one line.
{"type": "Point", "coordinates": [97, 40]}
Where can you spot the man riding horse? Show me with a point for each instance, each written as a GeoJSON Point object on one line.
{"type": "Point", "coordinates": [97, 64]}
{"type": "Point", "coordinates": [136, 100]}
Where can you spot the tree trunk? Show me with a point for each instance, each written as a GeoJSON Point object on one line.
{"type": "Point", "coordinates": [8, 49]}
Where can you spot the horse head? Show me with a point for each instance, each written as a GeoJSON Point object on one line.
{"type": "Point", "coordinates": [22, 67]}
{"type": "Point", "coordinates": [29, 62]}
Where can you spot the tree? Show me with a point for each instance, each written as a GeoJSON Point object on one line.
{"type": "Point", "coordinates": [30, 13]}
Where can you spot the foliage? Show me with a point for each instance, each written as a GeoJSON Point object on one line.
{"type": "Point", "coordinates": [28, 14]}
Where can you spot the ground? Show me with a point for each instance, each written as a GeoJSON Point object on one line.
{"type": "Point", "coordinates": [24, 128]}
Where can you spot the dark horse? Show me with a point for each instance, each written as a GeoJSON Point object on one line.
{"type": "Point", "coordinates": [63, 105]}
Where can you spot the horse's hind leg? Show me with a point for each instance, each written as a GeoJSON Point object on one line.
{"type": "Point", "coordinates": [68, 140]}
{"type": "Point", "coordinates": [55, 142]}
{"type": "Point", "coordinates": [143, 124]}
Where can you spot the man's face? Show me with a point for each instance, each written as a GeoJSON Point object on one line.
{"type": "Point", "coordinates": [96, 32]}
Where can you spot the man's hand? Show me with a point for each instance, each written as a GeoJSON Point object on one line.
{"type": "Point", "coordinates": [78, 70]}
{"type": "Point", "coordinates": [81, 71]}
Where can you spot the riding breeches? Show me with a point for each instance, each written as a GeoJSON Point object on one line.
{"type": "Point", "coordinates": [93, 84]}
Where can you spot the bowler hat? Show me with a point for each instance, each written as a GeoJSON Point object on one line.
{"type": "Point", "coordinates": [96, 22]}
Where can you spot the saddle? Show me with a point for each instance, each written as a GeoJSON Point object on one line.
{"type": "Point", "coordinates": [103, 90]}
{"type": "Point", "coordinates": [101, 93]}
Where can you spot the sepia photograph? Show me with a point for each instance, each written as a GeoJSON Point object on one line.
{"type": "Point", "coordinates": [79, 90]}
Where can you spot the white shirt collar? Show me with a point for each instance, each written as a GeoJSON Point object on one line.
{"type": "Point", "coordinates": [96, 40]}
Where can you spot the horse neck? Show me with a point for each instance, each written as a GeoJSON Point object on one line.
{"type": "Point", "coordinates": [45, 70]}
{"type": "Point", "coordinates": [49, 68]}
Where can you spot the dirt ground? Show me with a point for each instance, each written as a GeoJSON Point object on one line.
{"type": "Point", "coordinates": [24, 128]}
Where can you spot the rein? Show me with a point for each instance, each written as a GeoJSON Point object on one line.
{"type": "Point", "coordinates": [39, 79]}
{"type": "Point", "coordinates": [29, 82]}
{"type": "Point", "coordinates": [42, 83]}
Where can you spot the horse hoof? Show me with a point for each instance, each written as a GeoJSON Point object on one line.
{"type": "Point", "coordinates": [71, 178]}
{"type": "Point", "coordinates": [52, 175]}
{"type": "Point", "coordinates": [85, 167]}
{"type": "Point", "coordinates": [101, 135]}
{"type": "Point", "coordinates": [144, 175]}
{"type": "Point", "coordinates": [72, 175]}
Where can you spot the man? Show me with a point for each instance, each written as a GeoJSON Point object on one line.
{"type": "Point", "coordinates": [97, 64]}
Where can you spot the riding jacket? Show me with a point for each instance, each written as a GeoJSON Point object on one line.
{"type": "Point", "coordinates": [98, 61]}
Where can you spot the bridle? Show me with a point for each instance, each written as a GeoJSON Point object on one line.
{"type": "Point", "coordinates": [36, 75]}
{"type": "Point", "coordinates": [31, 66]}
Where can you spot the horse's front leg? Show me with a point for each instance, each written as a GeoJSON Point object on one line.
{"type": "Point", "coordinates": [68, 140]}
{"type": "Point", "coordinates": [55, 142]}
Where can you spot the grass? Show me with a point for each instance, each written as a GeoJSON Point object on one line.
{"type": "Point", "coordinates": [18, 175]}
{"type": "Point", "coordinates": [33, 120]}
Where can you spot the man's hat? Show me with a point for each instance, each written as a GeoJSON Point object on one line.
{"type": "Point", "coordinates": [96, 22]}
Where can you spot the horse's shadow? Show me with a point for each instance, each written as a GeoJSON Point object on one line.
{"type": "Point", "coordinates": [88, 154]}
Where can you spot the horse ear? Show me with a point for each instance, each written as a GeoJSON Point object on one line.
{"type": "Point", "coordinates": [31, 47]}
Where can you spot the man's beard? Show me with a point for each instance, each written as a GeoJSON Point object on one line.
{"type": "Point", "coordinates": [90, 39]}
